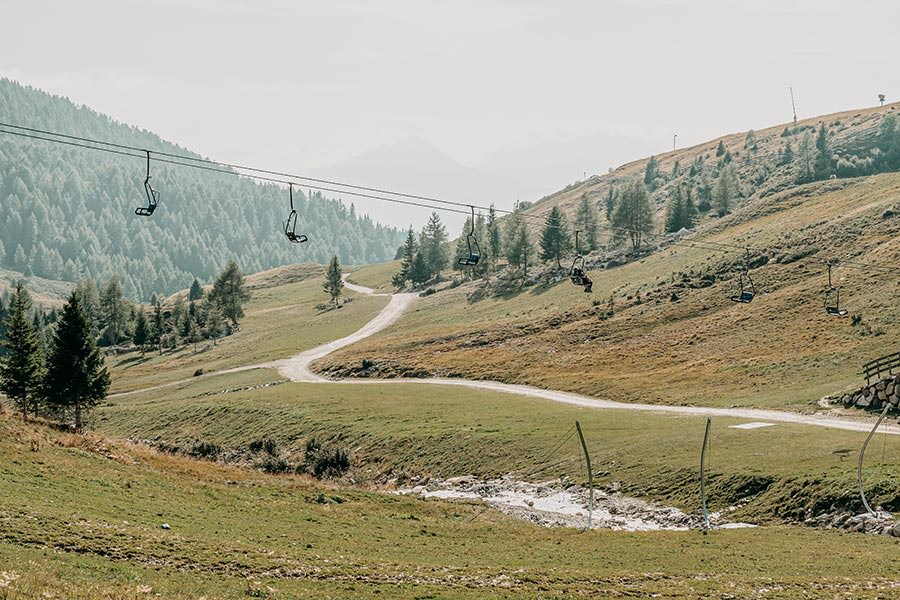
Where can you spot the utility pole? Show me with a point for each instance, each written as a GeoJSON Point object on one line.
{"type": "Point", "coordinates": [587, 459]}
{"type": "Point", "coordinates": [703, 475]}
{"type": "Point", "coordinates": [674, 137]}
{"type": "Point", "coordinates": [881, 99]}
{"type": "Point", "coordinates": [794, 107]}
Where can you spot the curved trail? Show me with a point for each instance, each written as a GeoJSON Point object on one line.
{"type": "Point", "coordinates": [297, 369]}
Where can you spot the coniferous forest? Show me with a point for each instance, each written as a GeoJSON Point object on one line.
{"type": "Point", "coordinates": [67, 213]}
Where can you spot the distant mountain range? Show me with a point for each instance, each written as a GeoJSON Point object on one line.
{"type": "Point", "coordinates": [413, 165]}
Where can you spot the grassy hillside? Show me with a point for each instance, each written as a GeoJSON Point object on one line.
{"type": "Point", "coordinates": [673, 335]}
{"type": "Point", "coordinates": [283, 317]}
{"type": "Point", "coordinates": [82, 518]}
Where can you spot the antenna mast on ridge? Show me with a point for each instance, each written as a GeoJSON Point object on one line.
{"type": "Point", "coordinates": [794, 106]}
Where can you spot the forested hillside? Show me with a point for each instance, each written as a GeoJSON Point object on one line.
{"type": "Point", "coordinates": [68, 213]}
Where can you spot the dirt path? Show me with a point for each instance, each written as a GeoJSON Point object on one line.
{"type": "Point", "coordinates": [297, 369]}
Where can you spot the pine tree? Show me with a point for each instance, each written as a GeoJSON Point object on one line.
{"type": "Point", "coordinates": [141, 330]}
{"type": "Point", "coordinates": [196, 291]}
{"type": "Point", "coordinates": [20, 368]}
{"type": "Point", "coordinates": [633, 216]}
{"type": "Point", "coordinates": [555, 238]}
{"type": "Point", "coordinates": [333, 280]}
{"type": "Point", "coordinates": [76, 377]}
{"type": "Point", "coordinates": [408, 251]}
{"type": "Point", "coordinates": [495, 240]}
{"type": "Point", "coordinates": [418, 273]}
{"type": "Point", "coordinates": [432, 245]}
{"type": "Point", "coordinates": [823, 166]}
{"type": "Point", "coordinates": [787, 154]}
{"type": "Point", "coordinates": [229, 294]}
{"type": "Point", "coordinates": [720, 149]}
{"type": "Point", "coordinates": [674, 212]}
{"type": "Point", "coordinates": [586, 220]}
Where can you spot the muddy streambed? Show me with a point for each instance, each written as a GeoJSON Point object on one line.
{"type": "Point", "coordinates": [557, 504]}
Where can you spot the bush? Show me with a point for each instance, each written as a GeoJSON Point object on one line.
{"type": "Point", "coordinates": [206, 450]}
{"type": "Point", "coordinates": [269, 445]}
{"type": "Point", "coordinates": [274, 464]}
{"type": "Point", "coordinates": [325, 461]}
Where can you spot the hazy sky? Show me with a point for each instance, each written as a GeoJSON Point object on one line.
{"type": "Point", "coordinates": [300, 84]}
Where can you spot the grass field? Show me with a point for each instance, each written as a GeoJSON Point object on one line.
{"type": "Point", "coordinates": [696, 348]}
{"type": "Point", "coordinates": [775, 473]}
{"type": "Point", "coordinates": [82, 519]}
{"type": "Point", "coordinates": [281, 321]}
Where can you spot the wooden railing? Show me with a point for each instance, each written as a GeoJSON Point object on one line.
{"type": "Point", "coordinates": [878, 367]}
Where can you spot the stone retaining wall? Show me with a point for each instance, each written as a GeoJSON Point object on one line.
{"type": "Point", "coordinates": [874, 396]}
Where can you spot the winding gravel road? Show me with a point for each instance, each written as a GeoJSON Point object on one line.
{"type": "Point", "coordinates": [298, 369]}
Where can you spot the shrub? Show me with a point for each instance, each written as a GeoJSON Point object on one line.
{"type": "Point", "coordinates": [269, 445]}
{"type": "Point", "coordinates": [325, 461]}
{"type": "Point", "coordinates": [206, 450]}
{"type": "Point", "coordinates": [274, 464]}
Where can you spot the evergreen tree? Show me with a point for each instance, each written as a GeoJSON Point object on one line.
{"type": "Point", "coordinates": [823, 166]}
{"type": "Point", "coordinates": [517, 240]}
{"type": "Point", "coordinates": [114, 310]}
{"type": "Point", "coordinates": [674, 212]}
{"type": "Point", "coordinates": [495, 242]}
{"type": "Point", "coordinates": [555, 238]}
{"type": "Point", "coordinates": [787, 154]}
{"type": "Point", "coordinates": [196, 291]}
{"type": "Point", "coordinates": [141, 330]}
{"type": "Point", "coordinates": [725, 192]}
{"type": "Point", "coordinates": [20, 368]}
{"type": "Point", "coordinates": [76, 377]}
{"type": "Point", "coordinates": [408, 255]}
{"type": "Point", "coordinates": [633, 216]}
{"type": "Point", "coordinates": [586, 220]}
{"type": "Point", "coordinates": [419, 274]}
{"type": "Point", "coordinates": [229, 294]}
{"type": "Point", "coordinates": [720, 149]}
{"type": "Point", "coordinates": [433, 246]}
{"type": "Point", "coordinates": [333, 280]}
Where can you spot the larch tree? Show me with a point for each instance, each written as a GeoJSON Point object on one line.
{"type": "Point", "coordinates": [20, 368]}
{"type": "Point", "coordinates": [725, 192]}
{"type": "Point", "coordinates": [633, 216]}
{"type": "Point", "coordinates": [114, 310]}
{"type": "Point", "coordinates": [586, 221]}
{"type": "Point", "coordinates": [230, 294]}
{"type": "Point", "coordinates": [76, 377]}
{"type": "Point", "coordinates": [495, 239]}
{"type": "Point", "coordinates": [196, 291]}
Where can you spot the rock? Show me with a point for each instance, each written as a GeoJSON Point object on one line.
{"type": "Point", "coordinates": [863, 401]}
{"type": "Point", "coordinates": [165, 526]}
{"type": "Point", "coordinates": [895, 530]}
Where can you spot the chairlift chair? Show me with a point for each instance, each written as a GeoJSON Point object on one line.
{"type": "Point", "coordinates": [152, 195]}
{"type": "Point", "coordinates": [747, 289]}
{"type": "Point", "coordinates": [577, 272]}
{"type": "Point", "coordinates": [472, 243]}
{"type": "Point", "coordinates": [290, 226]}
{"type": "Point", "coordinates": [833, 298]}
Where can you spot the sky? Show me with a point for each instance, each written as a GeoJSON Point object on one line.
{"type": "Point", "coordinates": [301, 85]}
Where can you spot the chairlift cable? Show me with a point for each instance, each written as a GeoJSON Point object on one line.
{"type": "Point", "coordinates": [354, 190]}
